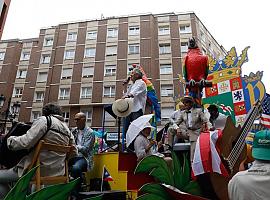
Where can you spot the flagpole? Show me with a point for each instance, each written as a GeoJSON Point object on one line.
{"type": "Point", "coordinates": [101, 188]}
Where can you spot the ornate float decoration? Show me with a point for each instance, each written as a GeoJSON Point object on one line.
{"type": "Point", "coordinates": [232, 93]}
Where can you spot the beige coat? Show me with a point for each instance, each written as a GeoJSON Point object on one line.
{"type": "Point", "coordinates": [52, 163]}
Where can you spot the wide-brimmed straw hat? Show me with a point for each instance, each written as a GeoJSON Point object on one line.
{"type": "Point", "coordinates": [187, 98]}
{"type": "Point", "coordinates": [122, 107]}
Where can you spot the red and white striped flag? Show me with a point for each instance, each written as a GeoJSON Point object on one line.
{"type": "Point", "coordinates": [206, 157]}
{"type": "Point", "coordinates": [265, 118]}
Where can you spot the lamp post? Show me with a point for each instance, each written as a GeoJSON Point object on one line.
{"type": "Point", "coordinates": [10, 113]}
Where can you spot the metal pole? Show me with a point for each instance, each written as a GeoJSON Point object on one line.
{"type": "Point", "coordinates": [6, 115]}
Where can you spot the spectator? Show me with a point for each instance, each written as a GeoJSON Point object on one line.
{"type": "Point", "coordinates": [53, 164]}
{"type": "Point", "coordinates": [254, 182]}
{"type": "Point", "coordinates": [85, 140]}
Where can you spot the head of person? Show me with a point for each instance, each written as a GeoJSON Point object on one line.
{"type": "Point", "coordinates": [213, 111]}
{"type": "Point", "coordinates": [261, 145]}
{"type": "Point", "coordinates": [188, 102]}
{"type": "Point", "coordinates": [80, 120]}
{"type": "Point", "coordinates": [147, 129]}
{"type": "Point", "coordinates": [136, 74]}
{"type": "Point", "coordinates": [51, 109]}
{"type": "Point", "coordinates": [181, 106]}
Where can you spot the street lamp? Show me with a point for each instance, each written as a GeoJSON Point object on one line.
{"type": "Point", "coordinates": [9, 114]}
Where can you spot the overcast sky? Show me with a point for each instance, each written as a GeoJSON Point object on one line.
{"type": "Point", "coordinates": [238, 23]}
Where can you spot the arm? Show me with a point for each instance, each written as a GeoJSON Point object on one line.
{"type": "Point", "coordinates": [206, 124]}
{"type": "Point", "coordinates": [32, 136]}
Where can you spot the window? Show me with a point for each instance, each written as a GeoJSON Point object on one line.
{"type": "Point", "coordinates": [166, 90]}
{"type": "Point", "coordinates": [69, 54]}
{"type": "Point", "coordinates": [2, 55]}
{"type": "Point", "coordinates": [164, 30]}
{"type": "Point", "coordinates": [21, 73]}
{"type": "Point", "coordinates": [91, 35]}
{"type": "Point", "coordinates": [42, 77]}
{"type": "Point", "coordinates": [134, 30]}
{"type": "Point", "coordinates": [185, 28]}
{"type": "Point", "coordinates": [65, 115]}
{"type": "Point", "coordinates": [164, 48]}
{"type": "Point", "coordinates": [133, 48]}
{"type": "Point", "coordinates": [64, 93]}
{"type": "Point", "coordinates": [88, 114]}
{"type": "Point", "coordinates": [110, 70]}
{"type": "Point", "coordinates": [202, 35]}
{"type": "Point", "coordinates": [90, 52]}
{"type": "Point", "coordinates": [87, 72]}
{"type": "Point", "coordinates": [166, 112]}
{"type": "Point", "coordinates": [45, 59]}
{"type": "Point", "coordinates": [184, 47]}
{"type": "Point", "coordinates": [112, 32]}
{"type": "Point", "coordinates": [109, 91]}
{"type": "Point", "coordinates": [111, 51]}
{"type": "Point", "coordinates": [17, 92]}
{"type": "Point", "coordinates": [86, 92]}
{"type": "Point", "coordinates": [48, 41]}
{"type": "Point", "coordinates": [165, 69]}
{"type": "Point", "coordinates": [39, 96]}
{"type": "Point", "coordinates": [66, 73]}
{"type": "Point", "coordinates": [25, 56]}
{"type": "Point", "coordinates": [72, 36]}
{"type": "Point", "coordinates": [35, 115]}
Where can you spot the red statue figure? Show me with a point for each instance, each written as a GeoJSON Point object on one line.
{"type": "Point", "coordinates": [195, 71]}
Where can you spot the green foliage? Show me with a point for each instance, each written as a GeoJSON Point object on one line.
{"type": "Point", "coordinates": [154, 188]}
{"type": "Point", "coordinates": [54, 192]}
{"type": "Point", "coordinates": [157, 167]}
{"type": "Point", "coordinates": [19, 191]}
{"type": "Point", "coordinates": [148, 196]}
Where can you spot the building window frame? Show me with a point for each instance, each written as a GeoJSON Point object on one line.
{"type": "Point", "coordinates": [185, 28]}
{"type": "Point", "coordinates": [164, 48]}
{"type": "Point", "coordinates": [64, 93]}
{"type": "Point", "coordinates": [88, 71]}
{"type": "Point", "coordinates": [90, 52]}
{"type": "Point", "coordinates": [133, 48]}
{"type": "Point", "coordinates": [110, 70]}
{"type": "Point", "coordinates": [164, 30]}
{"type": "Point", "coordinates": [66, 73]}
{"type": "Point", "coordinates": [133, 30]}
{"type": "Point", "coordinates": [2, 55]}
{"type": "Point", "coordinates": [165, 69]}
{"type": "Point", "coordinates": [69, 54]}
{"type": "Point", "coordinates": [112, 32]}
{"type": "Point", "coordinates": [109, 91]}
{"type": "Point", "coordinates": [86, 92]}
{"type": "Point", "coordinates": [42, 76]}
{"type": "Point", "coordinates": [91, 35]}
{"type": "Point", "coordinates": [166, 90]}
{"type": "Point", "coordinates": [21, 73]}
{"type": "Point", "coordinates": [72, 36]}
{"type": "Point", "coordinates": [39, 96]}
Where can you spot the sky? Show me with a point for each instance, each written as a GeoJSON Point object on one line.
{"type": "Point", "coordinates": [233, 23]}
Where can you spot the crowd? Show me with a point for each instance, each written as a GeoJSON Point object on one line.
{"type": "Point", "coordinates": [185, 124]}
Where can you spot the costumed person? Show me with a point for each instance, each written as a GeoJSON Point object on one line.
{"type": "Point", "coordinates": [172, 130]}
{"type": "Point", "coordinates": [52, 163]}
{"type": "Point", "coordinates": [85, 140]}
{"type": "Point", "coordinates": [195, 122]}
{"type": "Point", "coordinates": [254, 182]}
{"type": "Point", "coordinates": [217, 119]}
{"type": "Point", "coordinates": [151, 92]}
{"type": "Point", "coordinates": [138, 92]}
{"type": "Point", "coordinates": [195, 71]}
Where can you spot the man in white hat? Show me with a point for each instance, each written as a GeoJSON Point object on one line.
{"type": "Point", "coordinates": [195, 121]}
{"type": "Point", "coordinates": [138, 92]}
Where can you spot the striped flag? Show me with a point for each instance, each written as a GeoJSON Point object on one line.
{"type": "Point", "coordinates": [265, 118]}
{"type": "Point", "coordinates": [206, 157]}
{"type": "Point", "coordinates": [106, 175]}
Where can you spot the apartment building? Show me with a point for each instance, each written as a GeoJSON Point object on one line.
{"type": "Point", "coordinates": [81, 65]}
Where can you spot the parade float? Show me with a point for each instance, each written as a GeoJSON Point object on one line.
{"type": "Point", "coordinates": [233, 93]}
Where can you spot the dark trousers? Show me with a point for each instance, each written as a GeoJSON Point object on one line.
{"type": "Point", "coordinates": [78, 165]}
{"type": "Point", "coordinates": [131, 117]}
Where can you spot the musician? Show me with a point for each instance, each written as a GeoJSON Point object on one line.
{"type": "Point", "coordinates": [52, 164]}
{"type": "Point", "coordinates": [195, 121]}
{"type": "Point", "coordinates": [254, 182]}
{"type": "Point", "coordinates": [217, 119]}
{"type": "Point", "coordinates": [85, 139]}
{"type": "Point", "coordinates": [138, 92]}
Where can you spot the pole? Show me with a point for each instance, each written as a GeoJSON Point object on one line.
{"type": "Point", "coordinates": [101, 187]}
{"type": "Point", "coordinates": [6, 115]}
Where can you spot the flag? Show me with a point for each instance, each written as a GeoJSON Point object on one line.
{"type": "Point", "coordinates": [206, 156]}
{"type": "Point", "coordinates": [106, 175]}
{"type": "Point", "coordinates": [265, 118]}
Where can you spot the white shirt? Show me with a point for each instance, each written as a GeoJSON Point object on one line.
{"type": "Point", "coordinates": [139, 91]}
{"type": "Point", "coordinates": [252, 184]}
{"type": "Point", "coordinates": [80, 135]}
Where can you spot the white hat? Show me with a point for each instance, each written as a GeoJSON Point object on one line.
{"type": "Point", "coordinates": [122, 107]}
{"type": "Point", "coordinates": [148, 125]}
